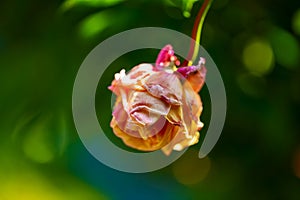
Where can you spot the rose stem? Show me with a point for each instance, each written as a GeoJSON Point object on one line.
{"type": "Point", "coordinates": [196, 33]}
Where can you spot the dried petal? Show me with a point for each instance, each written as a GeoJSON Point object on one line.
{"type": "Point", "coordinates": [133, 80]}
{"type": "Point", "coordinates": [191, 110]}
{"type": "Point", "coordinates": [143, 116]}
{"type": "Point", "coordinates": [175, 115]}
{"type": "Point", "coordinates": [156, 142]}
{"type": "Point", "coordinates": [165, 86]}
{"type": "Point", "coordinates": [194, 74]}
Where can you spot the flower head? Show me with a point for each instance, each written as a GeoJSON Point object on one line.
{"type": "Point", "coordinates": [158, 106]}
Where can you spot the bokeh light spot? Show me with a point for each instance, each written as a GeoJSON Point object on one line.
{"type": "Point", "coordinates": [68, 4]}
{"type": "Point", "coordinates": [258, 57]}
{"type": "Point", "coordinates": [252, 85]}
{"type": "Point", "coordinates": [286, 48]}
{"type": "Point", "coordinates": [36, 148]}
{"type": "Point", "coordinates": [95, 24]}
{"type": "Point", "coordinates": [189, 169]}
{"type": "Point", "coordinates": [296, 22]}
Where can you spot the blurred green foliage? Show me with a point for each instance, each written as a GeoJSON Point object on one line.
{"type": "Point", "coordinates": [254, 43]}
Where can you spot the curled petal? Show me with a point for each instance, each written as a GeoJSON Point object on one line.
{"type": "Point", "coordinates": [155, 142]}
{"type": "Point", "coordinates": [194, 74]}
{"type": "Point", "coordinates": [133, 80]}
{"type": "Point", "coordinates": [197, 79]}
{"type": "Point", "coordinates": [124, 121]}
{"type": "Point", "coordinates": [143, 116]}
{"type": "Point", "coordinates": [192, 108]}
{"type": "Point", "coordinates": [185, 71]}
{"type": "Point", "coordinates": [165, 86]}
{"type": "Point", "coordinates": [175, 115]}
{"type": "Point", "coordinates": [190, 112]}
{"type": "Point", "coordinates": [179, 142]}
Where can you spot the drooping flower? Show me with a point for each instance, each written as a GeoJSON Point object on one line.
{"type": "Point", "coordinates": [158, 106]}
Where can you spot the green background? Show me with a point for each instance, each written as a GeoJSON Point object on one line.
{"type": "Point", "coordinates": [255, 45]}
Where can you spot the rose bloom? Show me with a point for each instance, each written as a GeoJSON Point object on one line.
{"type": "Point", "coordinates": [158, 106]}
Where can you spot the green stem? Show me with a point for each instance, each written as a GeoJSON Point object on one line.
{"type": "Point", "coordinates": [196, 33]}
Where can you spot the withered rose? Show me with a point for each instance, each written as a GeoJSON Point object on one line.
{"type": "Point", "coordinates": [158, 106]}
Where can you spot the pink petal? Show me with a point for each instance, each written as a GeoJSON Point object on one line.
{"type": "Point", "coordinates": [188, 133]}
{"type": "Point", "coordinates": [144, 115]}
{"type": "Point", "coordinates": [155, 142]}
{"type": "Point", "coordinates": [165, 86]}
{"type": "Point", "coordinates": [133, 80]}
{"type": "Point", "coordinates": [194, 74]}
{"type": "Point", "coordinates": [165, 57]}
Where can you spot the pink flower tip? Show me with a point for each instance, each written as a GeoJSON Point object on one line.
{"type": "Point", "coordinates": [166, 58]}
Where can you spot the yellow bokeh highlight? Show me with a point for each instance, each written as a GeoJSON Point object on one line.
{"type": "Point", "coordinates": [189, 169]}
{"type": "Point", "coordinates": [258, 57]}
{"type": "Point", "coordinates": [28, 184]}
{"type": "Point", "coordinates": [296, 22]}
{"type": "Point", "coordinates": [251, 85]}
